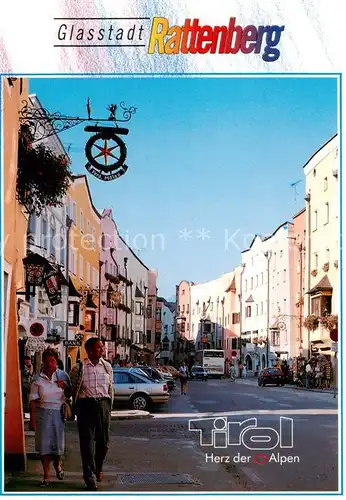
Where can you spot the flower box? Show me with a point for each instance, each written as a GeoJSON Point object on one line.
{"type": "Point", "coordinates": [314, 272]}
{"type": "Point", "coordinates": [326, 267]}
{"type": "Point", "coordinates": [311, 322]}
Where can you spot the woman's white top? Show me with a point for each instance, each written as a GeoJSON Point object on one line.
{"type": "Point", "coordinates": [46, 391]}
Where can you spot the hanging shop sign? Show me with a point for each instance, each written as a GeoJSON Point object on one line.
{"type": "Point", "coordinates": [37, 328]}
{"type": "Point", "coordinates": [53, 335]}
{"type": "Point", "coordinates": [106, 152]}
{"type": "Point", "coordinates": [76, 342]}
{"type": "Point", "coordinates": [52, 284]}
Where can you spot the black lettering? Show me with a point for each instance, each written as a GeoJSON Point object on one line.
{"type": "Point", "coordinates": [101, 34]}
{"type": "Point", "coordinates": [80, 34]}
{"type": "Point", "coordinates": [62, 36]}
{"type": "Point", "coordinates": [91, 34]}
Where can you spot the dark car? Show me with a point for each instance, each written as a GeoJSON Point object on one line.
{"type": "Point", "coordinates": [273, 376]}
{"type": "Point", "coordinates": [198, 372]}
{"type": "Point", "coordinates": [155, 375]}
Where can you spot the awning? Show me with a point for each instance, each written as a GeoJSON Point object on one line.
{"type": "Point", "coordinates": [232, 286]}
{"type": "Point", "coordinates": [322, 286]}
{"type": "Point", "coordinates": [72, 291]}
{"type": "Point", "coordinates": [250, 299]}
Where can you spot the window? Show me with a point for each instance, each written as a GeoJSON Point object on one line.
{"type": "Point", "coordinates": [192, 328]}
{"type": "Point", "coordinates": [251, 284]}
{"type": "Point", "coordinates": [316, 260]}
{"type": "Point", "coordinates": [248, 311]}
{"type": "Point", "coordinates": [88, 274]}
{"type": "Point", "coordinates": [284, 309]}
{"type": "Point", "coordinates": [68, 204]}
{"type": "Point", "coordinates": [31, 232]}
{"type": "Point", "coordinates": [81, 268]}
{"type": "Point", "coordinates": [257, 280]}
{"type": "Point", "coordinates": [139, 308]}
{"type": "Point", "coordinates": [122, 378]}
{"type": "Point", "coordinates": [262, 278]}
{"type": "Point", "coordinates": [315, 221]}
{"type": "Point", "coordinates": [326, 213]}
{"type": "Point", "coordinates": [53, 237]}
{"type": "Point", "coordinates": [95, 279]}
{"type": "Point", "coordinates": [284, 275]}
{"type": "Point", "coordinates": [149, 336]}
{"type": "Point", "coordinates": [187, 327]}
{"type": "Point", "coordinates": [88, 228]}
{"type": "Point", "coordinates": [73, 262]}
{"type": "Point", "coordinates": [321, 305]}
{"type": "Point", "coordinates": [150, 311]}
{"type": "Point", "coordinates": [94, 238]}
{"type": "Point", "coordinates": [187, 308]}
{"type": "Point", "coordinates": [103, 242]}
{"type": "Point", "coordinates": [62, 248]}
{"type": "Point", "coordinates": [44, 232]}
{"type": "Point", "coordinates": [235, 318]}
{"type": "Point", "coordinates": [81, 222]}
{"type": "Point", "coordinates": [261, 307]}
{"type": "Point", "coordinates": [256, 309]}
{"type": "Point", "coordinates": [183, 292]}
{"type": "Point", "coordinates": [183, 309]}
{"type": "Point", "coordinates": [158, 314]}
{"type": "Point", "coordinates": [89, 323]}
{"type": "Point", "coordinates": [325, 183]}
{"type": "Point", "coordinates": [211, 306]}
{"type": "Point", "coordinates": [327, 255]}
{"type": "Point", "coordinates": [73, 313]}
{"type": "Point", "coordinates": [74, 212]}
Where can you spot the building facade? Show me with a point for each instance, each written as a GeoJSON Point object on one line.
{"type": "Point", "coordinates": [14, 91]}
{"type": "Point", "coordinates": [297, 278]}
{"type": "Point", "coordinates": [322, 275]}
{"type": "Point", "coordinates": [231, 337]}
{"type": "Point", "coordinates": [183, 342]}
{"type": "Point", "coordinates": [167, 334]}
{"type": "Point", "coordinates": [266, 303]}
{"type": "Point", "coordinates": [84, 265]}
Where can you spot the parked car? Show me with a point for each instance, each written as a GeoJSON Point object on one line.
{"type": "Point", "coordinates": [271, 376]}
{"type": "Point", "coordinates": [140, 392]}
{"type": "Point", "coordinates": [198, 372]}
{"type": "Point", "coordinates": [154, 374]}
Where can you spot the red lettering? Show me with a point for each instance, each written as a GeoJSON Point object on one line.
{"type": "Point", "coordinates": [205, 36]}
{"type": "Point", "coordinates": [232, 28]}
{"type": "Point", "coordinates": [249, 35]}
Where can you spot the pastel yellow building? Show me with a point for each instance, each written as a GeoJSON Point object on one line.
{"type": "Point", "coordinates": [84, 264]}
{"type": "Point", "coordinates": [14, 91]}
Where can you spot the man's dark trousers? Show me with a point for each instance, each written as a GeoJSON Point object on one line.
{"type": "Point", "coordinates": [93, 417]}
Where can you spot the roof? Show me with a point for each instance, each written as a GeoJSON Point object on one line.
{"type": "Point", "coordinates": [322, 286]}
{"type": "Point", "coordinates": [319, 149]}
{"type": "Point", "coordinates": [267, 237]}
{"type": "Point", "coordinates": [299, 213]}
{"type": "Point", "coordinates": [232, 287]}
{"type": "Point", "coordinates": [138, 293]}
{"type": "Point", "coordinates": [83, 176]}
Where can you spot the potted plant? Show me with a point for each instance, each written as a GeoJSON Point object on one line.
{"type": "Point", "coordinates": [332, 322]}
{"type": "Point", "coordinates": [324, 321]}
{"type": "Point", "coordinates": [311, 322]}
{"type": "Point", "coordinates": [43, 176]}
{"type": "Point", "coordinates": [326, 267]}
{"type": "Point", "coordinates": [314, 272]}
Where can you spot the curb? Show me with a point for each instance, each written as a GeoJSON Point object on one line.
{"type": "Point", "coordinates": [130, 415]}
{"type": "Point", "coordinates": [293, 387]}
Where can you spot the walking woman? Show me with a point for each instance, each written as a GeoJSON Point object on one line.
{"type": "Point", "coordinates": [183, 378]}
{"type": "Point", "coordinates": [48, 391]}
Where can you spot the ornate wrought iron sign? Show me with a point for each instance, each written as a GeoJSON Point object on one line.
{"type": "Point", "coordinates": [105, 150]}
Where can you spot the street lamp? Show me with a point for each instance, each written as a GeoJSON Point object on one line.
{"type": "Point", "coordinates": [268, 256]}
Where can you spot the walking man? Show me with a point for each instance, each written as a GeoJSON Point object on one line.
{"type": "Point", "coordinates": [183, 378]}
{"type": "Point", "coordinates": [92, 393]}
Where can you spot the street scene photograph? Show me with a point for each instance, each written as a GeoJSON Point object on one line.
{"type": "Point", "coordinates": [171, 280]}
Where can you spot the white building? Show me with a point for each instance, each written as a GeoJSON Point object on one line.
{"type": "Point", "coordinates": [168, 333]}
{"type": "Point", "coordinates": [210, 306]}
{"type": "Point", "coordinates": [267, 257]}
{"type": "Point", "coordinates": [47, 237]}
{"type": "Point", "coordinates": [322, 276]}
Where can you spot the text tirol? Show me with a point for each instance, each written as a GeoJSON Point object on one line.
{"type": "Point", "coordinates": [191, 38]}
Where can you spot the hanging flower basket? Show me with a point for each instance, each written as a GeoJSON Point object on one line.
{"type": "Point", "coordinates": [314, 272]}
{"type": "Point", "coordinates": [326, 267]}
{"type": "Point", "coordinates": [43, 176]}
{"type": "Point", "coordinates": [324, 321]}
{"type": "Point", "coordinates": [311, 322]}
{"type": "Point", "coordinates": [332, 322]}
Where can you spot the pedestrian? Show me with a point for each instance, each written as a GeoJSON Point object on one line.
{"type": "Point", "coordinates": [26, 379]}
{"type": "Point", "coordinates": [308, 374]}
{"type": "Point", "coordinates": [244, 373]}
{"type": "Point", "coordinates": [183, 378]}
{"type": "Point", "coordinates": [49, 389]}
{"type": "Point", "coordinates": [92, 393]}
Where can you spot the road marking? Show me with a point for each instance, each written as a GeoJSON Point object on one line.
{"type": "Point", "coordinates": [316, 411]}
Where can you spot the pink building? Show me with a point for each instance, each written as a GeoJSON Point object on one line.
{"type": "Point", "coordinates": [297, 281]}
{"type": "Point", "coordinates": [151, 310]}
{"type": "Point", "coordinates": [231, 335]}
{"type": "Point", "coordinates": [183, 332]}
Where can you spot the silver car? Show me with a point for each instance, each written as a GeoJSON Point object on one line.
{"type": "Point", "coordinates": [133, 388]}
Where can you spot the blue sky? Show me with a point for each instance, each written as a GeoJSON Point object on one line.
{"type": "Point", "coordinates": [217, 154]}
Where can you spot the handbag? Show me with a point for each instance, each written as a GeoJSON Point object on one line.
{"type": "Point", "coordinates": [66, 410]}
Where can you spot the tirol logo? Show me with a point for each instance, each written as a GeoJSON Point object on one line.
{"type": "Point", "coordinates": [219, 433]}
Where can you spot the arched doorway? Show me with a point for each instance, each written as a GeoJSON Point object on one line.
{"type": "Point", "coordinates": [263, 361]}
{"type": "Point", "coordinates": [248, 363]}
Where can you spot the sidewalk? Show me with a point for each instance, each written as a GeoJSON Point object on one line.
{"type": "Point", "coordinates": [253, 381]}
{"type": "Point", "coordinates": [144, 456]}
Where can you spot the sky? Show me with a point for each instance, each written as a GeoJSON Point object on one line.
{"type": "Point", "coordinates": [211, 161]}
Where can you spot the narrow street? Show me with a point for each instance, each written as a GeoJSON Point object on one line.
{"type": "Point", "coordinates": [151, 454]}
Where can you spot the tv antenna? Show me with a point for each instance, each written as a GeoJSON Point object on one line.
{"type": "Point", "coordinates": [294, 185]}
